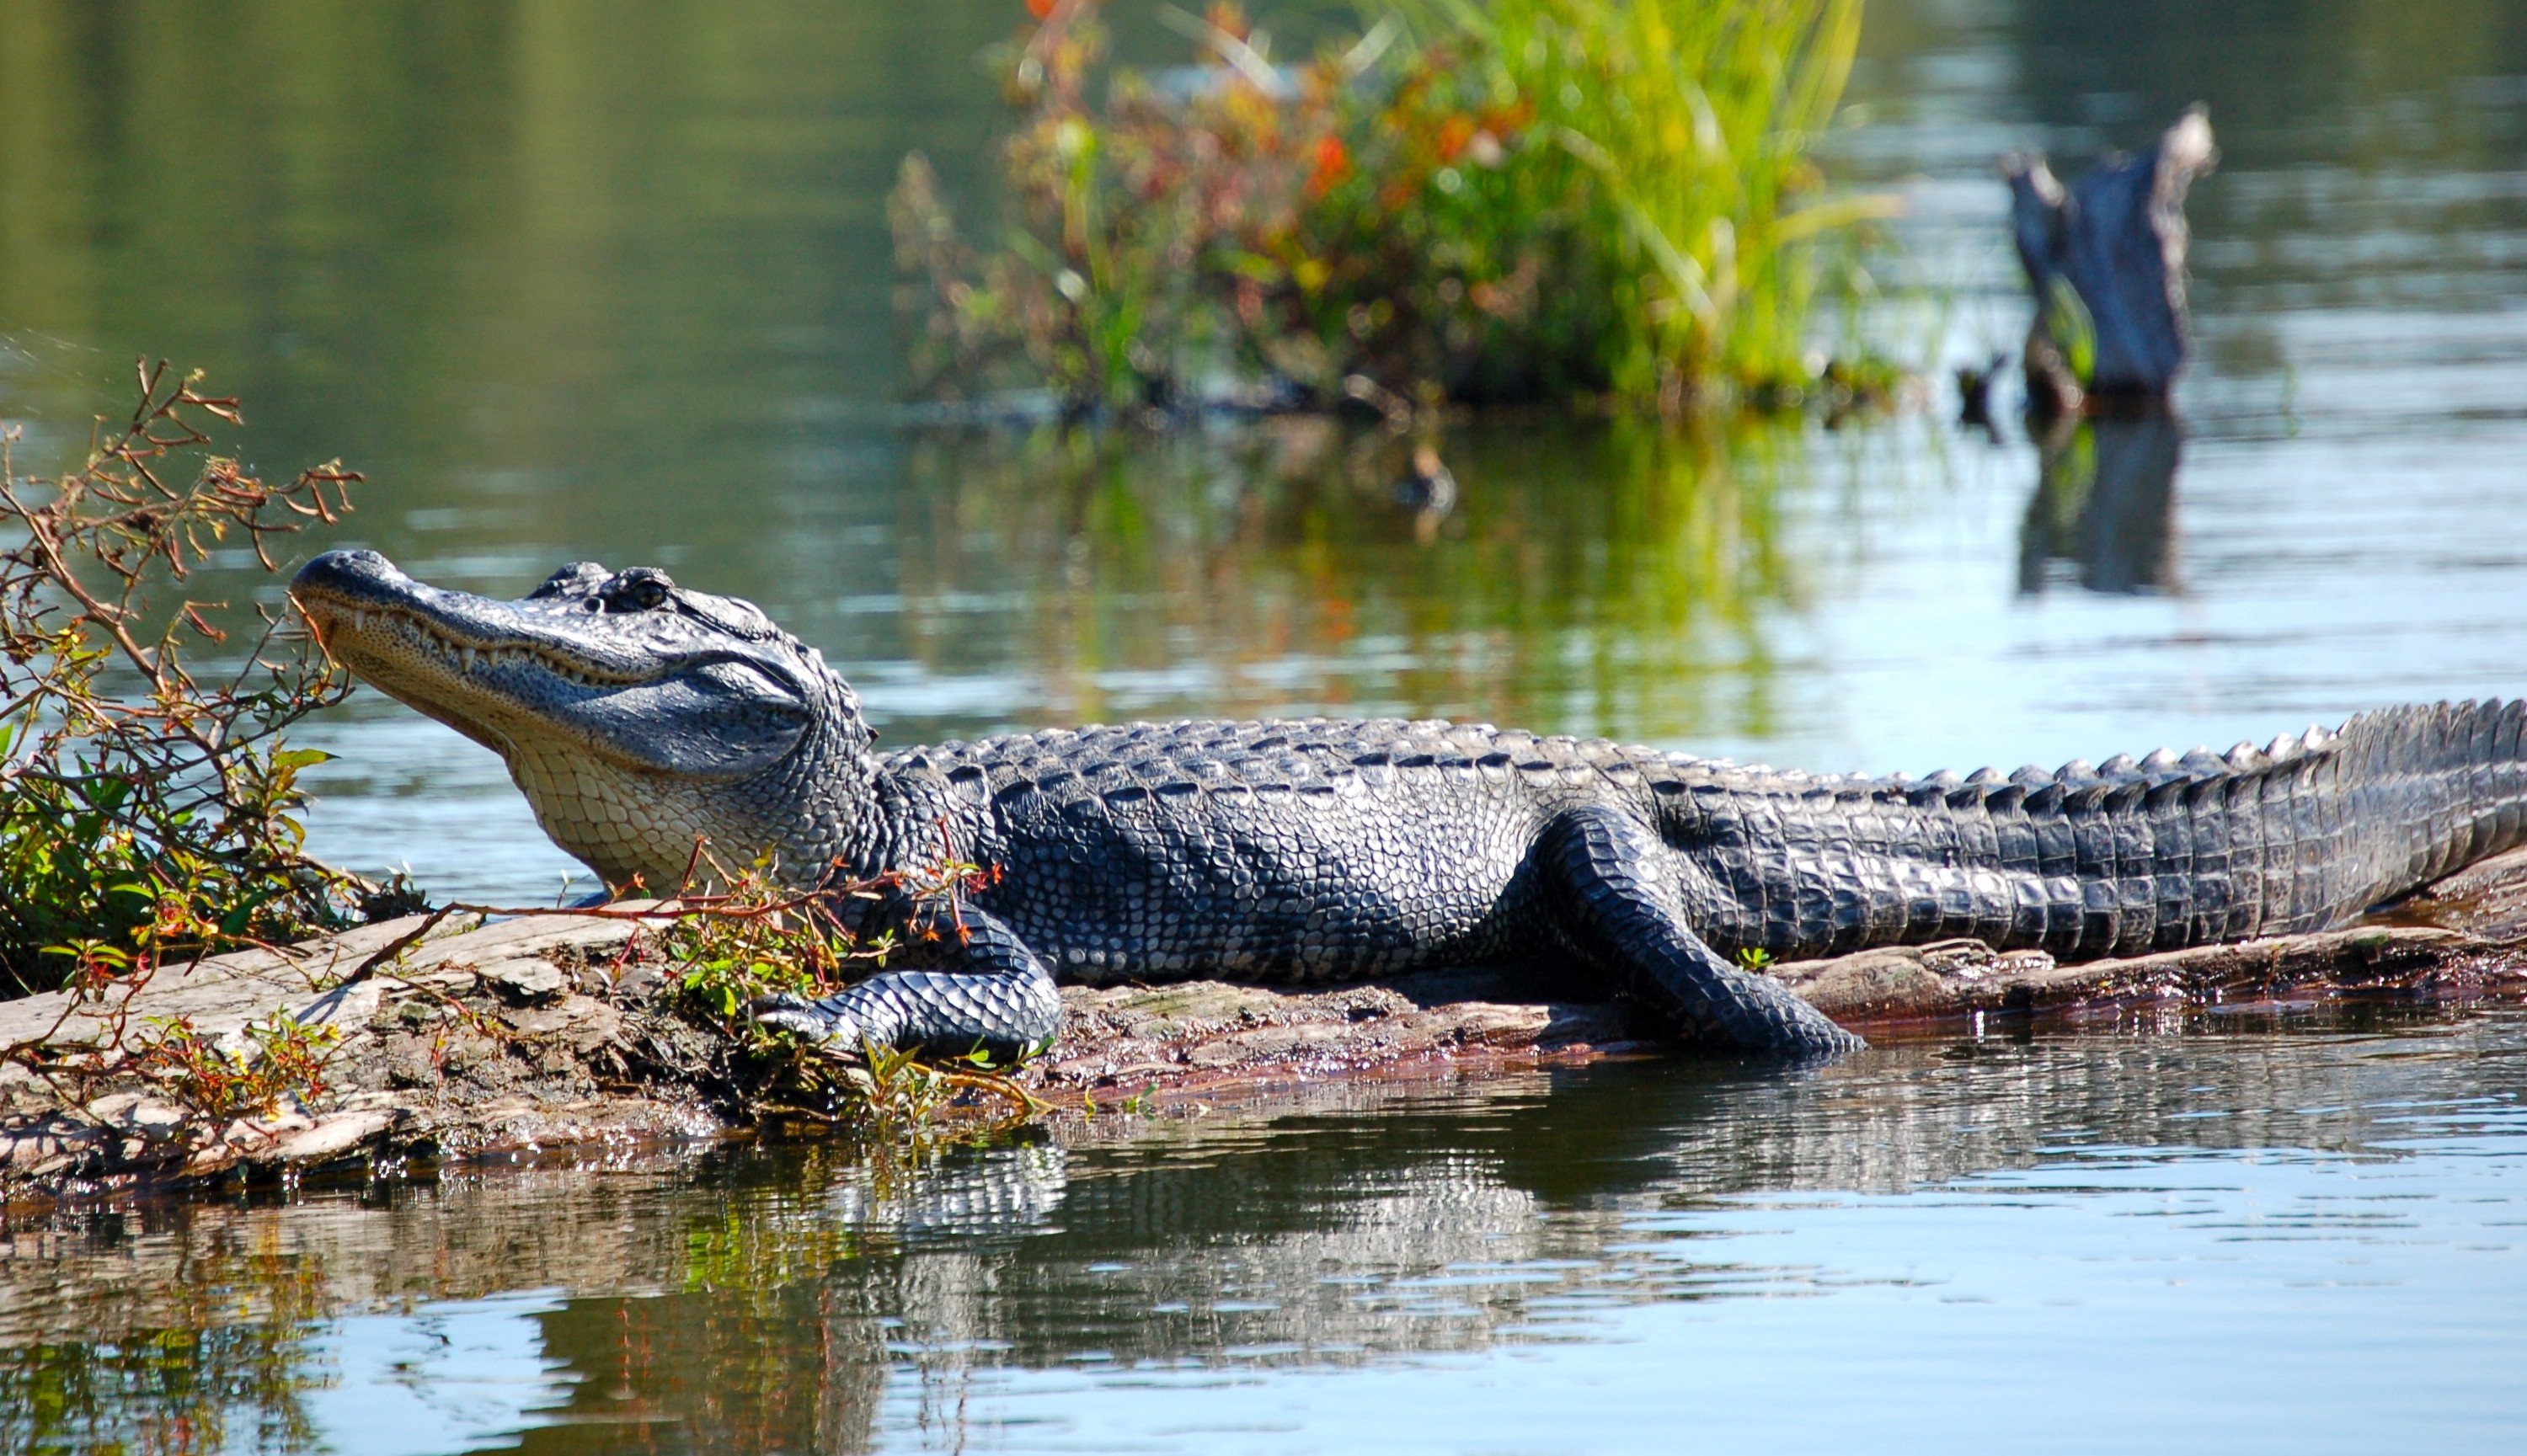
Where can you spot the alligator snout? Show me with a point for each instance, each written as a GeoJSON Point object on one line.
{"type": "Point", "coordinates": [351, 573]}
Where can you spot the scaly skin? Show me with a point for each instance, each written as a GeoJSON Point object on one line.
{"type": "Point", "coordinates": [638, 716]}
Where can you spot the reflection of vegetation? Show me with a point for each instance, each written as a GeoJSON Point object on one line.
{"type": "Point", "coordinates": [2104, 501]}
{"type": "Point", "coordinates": [214, 1363]}
{"type": "Point", "coordinates": [1539, 199]}
{"type": "Point", "coordinates": [1594, 579]}
{"type": "Point", "coordinates": [177, 1390]}
{"type": "Point", "coordinates": [770, 1334]}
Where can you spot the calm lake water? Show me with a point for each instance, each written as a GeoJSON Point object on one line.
{"type": "Point", "coordinates": [587, 280]}
{"type": "Point", "coordinates": [2304, 1235]}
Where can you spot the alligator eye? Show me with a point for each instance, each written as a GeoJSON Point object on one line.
{"type": "Point", "coordinates": [640, 589]}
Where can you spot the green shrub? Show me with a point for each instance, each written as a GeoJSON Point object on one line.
{"type": "Point", "coordinates": [147, 809]}
{"type": "Point", "coordinates": [1534, 200]}
{"type": "Point", "coordinates": [752, 936]}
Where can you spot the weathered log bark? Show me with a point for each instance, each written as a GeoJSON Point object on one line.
{"type": "Point", "coordinates": [2106, 259]}
{"type": "Point", "coordinates": [554, 1032]}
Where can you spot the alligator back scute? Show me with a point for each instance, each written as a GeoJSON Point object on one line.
{"type": "Point", "coordinates": [2119, 856]}
{"type": "Point", "coordinates": [1288, 852]}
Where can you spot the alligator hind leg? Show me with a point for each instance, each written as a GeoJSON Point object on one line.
{"type": "Point", "coordinates": [996, 996]}
{"type": "Point", "coordinates": [1615, 888]}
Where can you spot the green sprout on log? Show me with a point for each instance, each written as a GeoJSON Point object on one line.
{"type": "Point", "coordinates": [749, 936]}
{"type": "Point", "coordinates": [275, 1060]}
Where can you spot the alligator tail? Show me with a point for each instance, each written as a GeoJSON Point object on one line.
{"type": "Point", "coordinates": [2299, 835]}
{"type": "Point", "coordinates": [2376, 810]}
{"type": "Point", "coordinates": [2126, 856]}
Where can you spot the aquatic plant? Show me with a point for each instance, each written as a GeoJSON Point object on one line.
{"type": "Point", "coordinates": [751, 936]}
{"type": "Point", "coordinates": [147, 804]}
{"type": "Point", "coordinates": [1536, 200]}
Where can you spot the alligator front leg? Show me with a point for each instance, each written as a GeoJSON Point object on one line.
{"type": "Point", "coordinates": [992, 993]}
{"type": "Point", "coordinates": [1616, 889]}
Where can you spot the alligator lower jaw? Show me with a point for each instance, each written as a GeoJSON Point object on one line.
{"type": "Point", "coordinates": [482, 690]}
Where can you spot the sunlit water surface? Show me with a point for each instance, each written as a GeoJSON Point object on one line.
{"type": "Point", "coordinates": [581, 281]}
{"type": "Point", "coordinates": [2231, 1232]}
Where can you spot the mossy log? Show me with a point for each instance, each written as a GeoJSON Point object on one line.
{"type": "Point", "coordinates": [553, 1036]}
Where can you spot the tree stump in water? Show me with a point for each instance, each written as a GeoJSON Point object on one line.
{"type": "Point", "coordinates": [2106, 261]}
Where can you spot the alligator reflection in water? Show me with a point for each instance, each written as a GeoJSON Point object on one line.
{"type": "Point", "coordinates": [802, 1300]}
{"type": "Point", "coordinates": [2105, 503]}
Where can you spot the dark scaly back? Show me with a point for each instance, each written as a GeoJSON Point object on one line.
{"type": "Point", "coordinates": [2115, 858]}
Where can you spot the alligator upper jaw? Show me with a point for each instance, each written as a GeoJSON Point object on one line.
{"type": "Point", "coordinates": [660, 696]}
{"type": "Point", "coordinates": [346, 594]}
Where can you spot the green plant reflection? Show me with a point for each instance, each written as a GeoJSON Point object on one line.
{"type": "Point", "coordinates": [1611, 579]}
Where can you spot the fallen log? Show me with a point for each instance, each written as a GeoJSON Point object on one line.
{"type": "Point", "coordinates": [465, 1040]}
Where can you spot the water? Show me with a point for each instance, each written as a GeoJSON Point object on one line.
{"type": "Point", "coordinates": [2296, 1232]}
{"type": "Point", "coordinates": [577, 281]}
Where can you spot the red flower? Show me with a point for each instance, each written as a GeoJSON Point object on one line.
{"type": "Point", "coordinates": [1454, 133]}
{"type": "Point", "coordinates": [1333, 163]}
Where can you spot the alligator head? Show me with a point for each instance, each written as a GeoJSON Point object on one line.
{"type": "Point", "coordinates": [637, 715]}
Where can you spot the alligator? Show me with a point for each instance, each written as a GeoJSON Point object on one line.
{"type": "Point", "coordinates": [642, 717]}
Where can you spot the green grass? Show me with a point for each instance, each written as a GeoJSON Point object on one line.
{"type": "Point", "coordinates": [1689, 127]}
{"type": "Point", "coordinates": [1537, 200]}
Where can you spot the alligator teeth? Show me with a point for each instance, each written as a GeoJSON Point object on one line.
{"type": "Point", "coordinates": [468, 660]}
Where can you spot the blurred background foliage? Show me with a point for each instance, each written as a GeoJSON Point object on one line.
{"type": "Point", "coordinates": [1532, 201]}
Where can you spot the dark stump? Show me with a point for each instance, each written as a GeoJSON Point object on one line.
{"type": "Point", "coordinates": [2105, 258]}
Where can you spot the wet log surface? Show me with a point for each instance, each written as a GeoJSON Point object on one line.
{"type": "Point", "coordinates": [553, 1033]}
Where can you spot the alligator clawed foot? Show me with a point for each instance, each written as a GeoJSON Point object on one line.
{"type": "Point", "coordinates": [814, 1021]}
